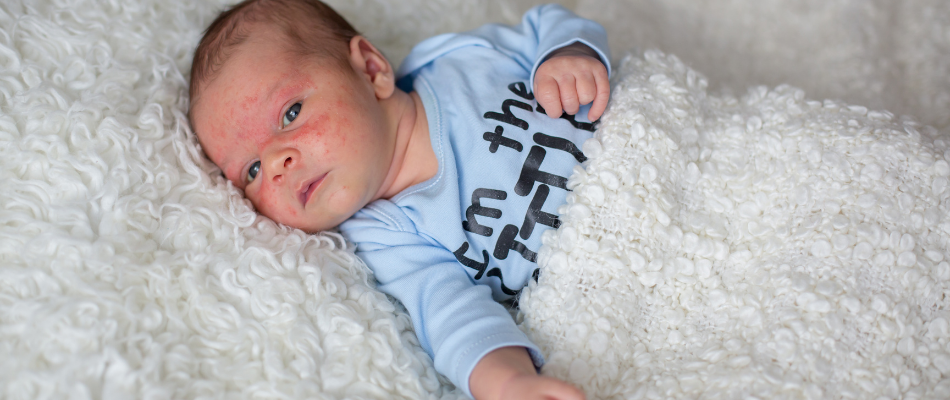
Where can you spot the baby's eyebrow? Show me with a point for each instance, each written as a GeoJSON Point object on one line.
{"type": "Point", "coordinates": [272, 91]}
{"type": "Point", "coordinates": [285, 86]}
{"type": "Point", "coordinates": [277, 89]}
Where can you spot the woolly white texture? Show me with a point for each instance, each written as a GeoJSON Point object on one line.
{"type": "Point", "coordinates": [130, 269]}
{"type": "Point", "coordinates": [761, 247]}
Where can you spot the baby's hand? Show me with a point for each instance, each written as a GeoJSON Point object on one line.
{"type": "Point", "coordinates": [529, 387]}
{"type": "Point", "coordinates": [571, 77]}
{"type": "Point", "coordinates": [508, 374]}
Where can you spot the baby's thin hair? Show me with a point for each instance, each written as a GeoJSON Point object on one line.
{"type": "Point", "coordinates": [309, 27]}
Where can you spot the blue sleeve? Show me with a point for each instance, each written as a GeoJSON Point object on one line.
{"type": "Point", "coordinates": [543, 29]}
{"type": "Point", "coordinates": [456, 321]}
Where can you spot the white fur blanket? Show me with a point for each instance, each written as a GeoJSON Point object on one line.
{"type": "Point", "coordinates": [716, 246]}
{"type": "Point", "coordinates": [765, 247]}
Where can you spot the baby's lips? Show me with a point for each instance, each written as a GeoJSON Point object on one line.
{"type": "Point", "coordinates": [304, 193]}
{"type": "Point", "coordinates": [308, 188]}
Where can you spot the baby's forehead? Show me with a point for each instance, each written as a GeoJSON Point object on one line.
{"type": "Point", "coordinates": [247, 92]}
{"type": "Point", "coordinates": [244, 57]}
{"type": "Point", "coordinates": [269, 43]}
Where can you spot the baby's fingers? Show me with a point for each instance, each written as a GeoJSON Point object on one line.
{"type": "Point", "coordinates": [558, 390]}
{"type": "Point", "coordinates": [548, 95]}
{"type": "Point", "coordinates": [602, 94]}
{"type": "Point", "coordinates": [540, 388]}
{"type": "Point", "coordinates": [567, 85]}
{"type": "Point", "coordinates": [588, 91]}
{"type": "Point", "coordinates": [586, 88]}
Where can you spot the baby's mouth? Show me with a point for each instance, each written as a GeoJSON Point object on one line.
{"type": "Point", "coordinates": [309, 189]}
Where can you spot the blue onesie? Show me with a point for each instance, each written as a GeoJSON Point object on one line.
{"type": "Point", "coordinates": [449, 248]}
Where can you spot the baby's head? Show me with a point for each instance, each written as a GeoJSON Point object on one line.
{"type": "Point", "coordinates": [291, 104]}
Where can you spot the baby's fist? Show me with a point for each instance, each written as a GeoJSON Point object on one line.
{"type": "Point", "coordinates": [571, 77]}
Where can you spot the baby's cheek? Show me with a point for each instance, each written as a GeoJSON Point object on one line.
{"type": "Point", "coordinates": [344, 202]}
{"type": "Point", "coordinates": [274, 206]}
{"type": "Point", "coordinates": [342, 133]}
{"type": "Point", "coordinates": [318, 135]}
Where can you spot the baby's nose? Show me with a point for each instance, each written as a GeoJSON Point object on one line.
{"type": "Point", "coordinates": [280, 163]}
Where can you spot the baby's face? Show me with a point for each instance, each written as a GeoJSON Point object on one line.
{"type": "Point", "coordinates": [306, 140]}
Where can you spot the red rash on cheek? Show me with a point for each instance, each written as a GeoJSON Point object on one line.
{"type": "Point", "coordinates": [343, 130]}
{"type": "Point", "coordinates": [276, 205]}
{"type": "Point", "coordinates": [290, 211]}
{"type": "Point", "coordinates": [317, 133]}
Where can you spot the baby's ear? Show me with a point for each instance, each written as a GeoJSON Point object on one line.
{"type": "Point", "coordinates": [372, 65]}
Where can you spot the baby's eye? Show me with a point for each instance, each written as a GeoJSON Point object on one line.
{"type": "Point", "coordinates": [291, 114]}
{"type": "Point", "coordinates": [253, 171]}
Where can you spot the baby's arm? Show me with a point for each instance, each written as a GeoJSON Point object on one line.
{"type": "Point", "coordinates": [508, 373]}
{"type": "Point", "coordinates": [571, 77]}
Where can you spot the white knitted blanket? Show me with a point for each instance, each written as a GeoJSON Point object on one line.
{"type": "Point", "coordinates": [767, 246]}
{"type": "Point", "coordinates": [753, 246]}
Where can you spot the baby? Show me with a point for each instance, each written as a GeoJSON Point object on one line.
{"type": "Point", "coordinates": [440, 172]}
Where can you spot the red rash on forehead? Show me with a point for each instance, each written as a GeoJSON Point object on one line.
{"type": "Point", "coordinates": [256, 111]}
{"type": "Point", "coordinates": [258, 118]}
{"type": "Point", "coordinates": [244, 111]}
{"type": "Point", "coordinates": [293, 86]}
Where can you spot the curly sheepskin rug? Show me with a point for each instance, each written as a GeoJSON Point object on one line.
{"type": "Point", "coordinates": [724, 240]}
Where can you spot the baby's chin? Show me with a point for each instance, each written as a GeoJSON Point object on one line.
{"type": "Point", "coordinates": [310, 225]}
{"type": "Point", "coordinates": [317, 228]}
{"type": "Point", "coordinates": [318, 220]}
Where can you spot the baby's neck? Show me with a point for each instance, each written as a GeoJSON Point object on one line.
{"type": "Point", "coordinates": [414, 161]}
